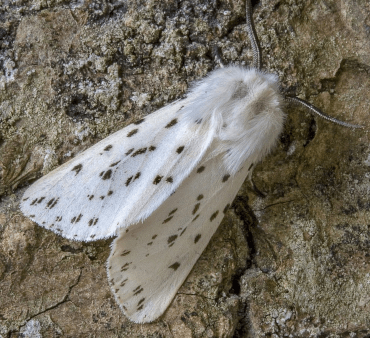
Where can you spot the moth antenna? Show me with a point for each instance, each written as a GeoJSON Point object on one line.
{"type": "Point", "coordinates": [257, 63]}
{"type": "Point", "coordinates": [317, 111]}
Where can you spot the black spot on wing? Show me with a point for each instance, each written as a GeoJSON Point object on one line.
{"type": "Point", "coordinates": [198, 121]}
{"type": "Point", "coordinates": [106, 175]}
{"type": "Point", "coordinates": [150, 243]}
{"type": "Point", "coordinates": [139, 152]}
{"type": "Point", "coordinates": [114, 164]}
{"type": "Point", "coordinates": [171, 239]}
{"type": "Point", "coordinates": [169, 179]}
{"type": "Point", "coordinates": [92, 221]}
{"type": "Point", "coordinates": [138, 174]}
{"type": "Point", "coordinates": [102, 197]}
{"type": "Point", "coordinates": [58, 218]}
{"type": "Point", "coordinates": [48, 204]}
{"type": "Point", "coordinates": [108, 147]}
{"type": "Point", "coordinates": [174, 266]}
{"type": "Point", "coordinates": [213, 216]}
{"type": "Point", "coordinates": [152, 148]}
{"type": "Point", "coordinates": [197, 238]}
{"type": "Point", "coordinates": [125, 252]}
{"type": "Point", "coordinates": [171, 123]}
{"type": "Point", "coordinates": [32, 216]}
{"type": "Point", "coordinates": [40, 199]}
{"type": "Point", "coordinates": [124, 282]}
{"type": "Point", "coordinates": [132, 132]}
{"type": "Point", "coordinates": [76, 219]}
{"type": "Point", "coordinates": [128, 152]}
{"type": "Point", "coordinates": [196, 207]}
{"type": "Point", "coordinates": [90, 197]}
{"type": "Point", "coordinates": [195, 218]}
{"type": "Point", "coordinates": [110, 192]}
{"type": "Point", "coordinates": [34, 201]}
{"type": "Point", "coordinates": [128, 181]}
{"type": "Point", "coordinates": [77, 168]}
{"type": "Point", "coordinates": [172, 212]}
{"type": "Point", "coordinates": [138, 290]}
{"type": "Point", "coordinates": [200, 197]}
{"type": "Point", "coordinates": [154, 236]}
{"type": "Point", "coordinates": [139, 121]}
{"type": "Point", "coordinates": [201, 169]}
{"type": "Point", "coordinates": [182, 232]}
{"type": "Point", "coordinates": [157, 179]}
{"type": "Point", "coordinates": [167, 220]}
{"type": "Point", "coordinates": [25, 199]}
{"type": "Point", "coordinates": [225, 178]}
{"type": "Point", "coordinates": [51, 204]}
{"type": "Point", "coordinates": [180, 149]}
{"type": "Point", "coordinates": [125, 266]}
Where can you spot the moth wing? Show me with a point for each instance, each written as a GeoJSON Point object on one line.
{"type": "Point", "coordinates": [120, 180]}
{"type": "Point", "coordinates": [149, 261]}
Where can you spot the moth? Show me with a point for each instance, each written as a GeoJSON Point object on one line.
{"type": "Point", "coordinates": [162, 185]}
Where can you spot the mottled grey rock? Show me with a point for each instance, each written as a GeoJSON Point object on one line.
{"type": "Point", "coordinates": [294, 263]}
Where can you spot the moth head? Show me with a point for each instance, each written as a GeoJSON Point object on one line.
{"type": "Point", "coordinates": [253, 97]}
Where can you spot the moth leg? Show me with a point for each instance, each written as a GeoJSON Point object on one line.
{"type": "Point", "coordinates": [255, 189]}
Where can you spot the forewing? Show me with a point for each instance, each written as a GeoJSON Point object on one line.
{"type": "Point", "coordinates": [120, 180]}
{"type": "Point", "coordinates": [150, 260]}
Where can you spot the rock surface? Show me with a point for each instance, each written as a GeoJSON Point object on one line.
{"type": "Point", "coordinates": [294, 263]}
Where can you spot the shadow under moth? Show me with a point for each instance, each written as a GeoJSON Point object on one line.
{"type": "Point", "coordinates": [162, 185]}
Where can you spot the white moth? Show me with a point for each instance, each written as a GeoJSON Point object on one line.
{"type": "Point", "coordinates": [163, 184]}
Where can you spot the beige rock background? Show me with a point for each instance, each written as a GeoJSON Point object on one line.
{"type": "Point", "coordinates": [295, 263]}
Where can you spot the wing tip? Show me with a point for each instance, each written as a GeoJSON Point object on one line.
{"type": "Point", "coordinates": [60, 232]}
{"type": "Point", "coordinates": [147, 314]}
{"type": "Point", "coordinates": [68, 233]}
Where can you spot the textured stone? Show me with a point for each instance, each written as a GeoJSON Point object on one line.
{"type": "Point", "coordinates": [294, 263]}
